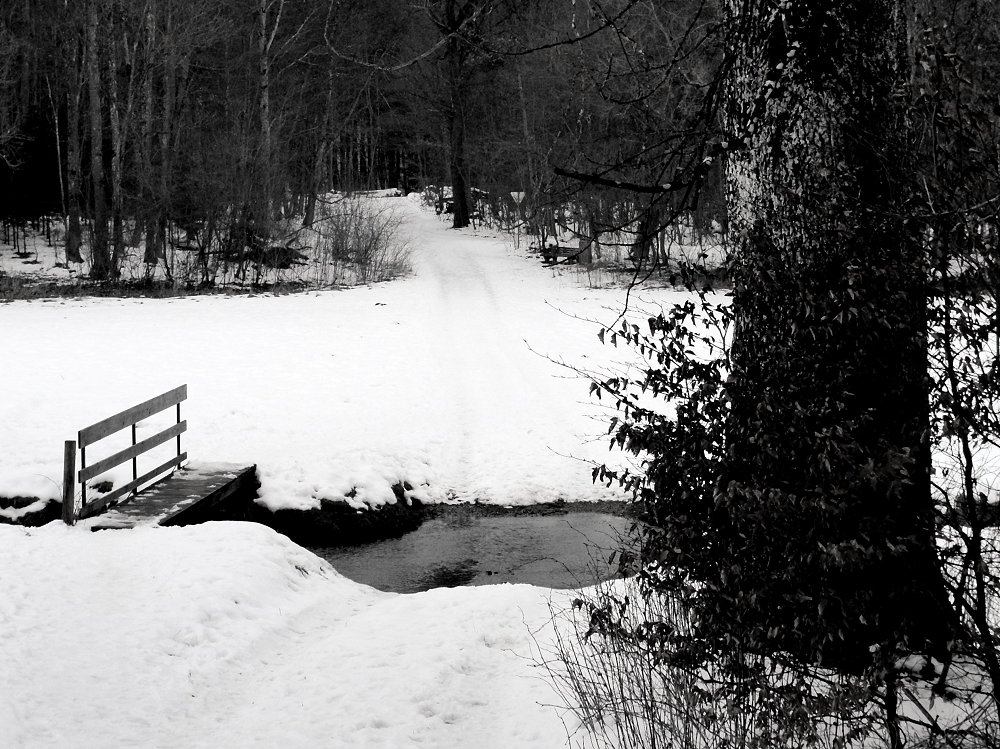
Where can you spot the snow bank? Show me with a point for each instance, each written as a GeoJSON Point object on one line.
{"type": "Point", "coordinates": [229, 635]}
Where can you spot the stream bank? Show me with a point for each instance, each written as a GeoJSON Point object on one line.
{"type": "Point", "coordinates": [409, 546]}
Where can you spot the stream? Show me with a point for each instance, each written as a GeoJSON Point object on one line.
{"type": "Point", "coordinates": [566, 550]}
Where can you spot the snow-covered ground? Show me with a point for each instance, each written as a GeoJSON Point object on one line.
{"type": "Point", "coordinates": [445, 379]}
{"type": "Point", "coordinates": [229, 635]}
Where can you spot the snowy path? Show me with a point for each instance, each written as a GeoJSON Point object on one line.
{"type": "Point", "coordinates": [483, 308]}
{"type": "Point", "coordinates": [439, 379]}
{"type": "Point", "coordinates": [442, 668]}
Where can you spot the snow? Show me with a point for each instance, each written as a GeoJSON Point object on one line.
{"type": "Point", "coordinates": [451, 379]}
{"type": "Point", "coordinates": [230, 635]}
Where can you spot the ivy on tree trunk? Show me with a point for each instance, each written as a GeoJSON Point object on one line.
{"type": "Point", "coordinates": [824, 507]}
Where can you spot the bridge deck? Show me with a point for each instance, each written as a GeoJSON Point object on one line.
{"type": "Point", "coordinates": [184, 497]}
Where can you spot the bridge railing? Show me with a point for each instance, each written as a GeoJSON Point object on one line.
{"type": "Point", "coordinates": [91, 435]}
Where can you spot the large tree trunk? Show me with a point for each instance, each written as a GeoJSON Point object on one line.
{"type": "Point", "coordinates": [827, 497]}
{"type": "Point", "coordinates": [101, 267]}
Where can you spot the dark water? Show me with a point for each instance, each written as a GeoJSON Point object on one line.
{"type": "Point", "coordinates": [555, 551]}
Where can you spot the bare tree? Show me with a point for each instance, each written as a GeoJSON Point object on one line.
{"type": "Point", "coordinates": [101, 266]}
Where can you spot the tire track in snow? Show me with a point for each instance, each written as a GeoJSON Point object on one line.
{"type": "Point", "coordinates": [477, 302]}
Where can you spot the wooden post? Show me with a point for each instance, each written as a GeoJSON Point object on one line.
{"type": "Point", "coordinates": [83, 464]}
{"type": "Point", "coordinates": [69, 483]}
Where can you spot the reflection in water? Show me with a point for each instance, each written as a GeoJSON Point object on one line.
{"type": "Point", "coordinates": [554, 551]}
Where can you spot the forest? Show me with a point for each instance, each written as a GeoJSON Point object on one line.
{"type": "Point", "coordinates": [813, 430]}
{"type": "Point", "coordinates": [205, 125]}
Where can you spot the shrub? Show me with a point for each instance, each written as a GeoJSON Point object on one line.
{"type": "Point", "coordinates": [617, 665]}
{"type": "Point", "coordinates": [357, 240]}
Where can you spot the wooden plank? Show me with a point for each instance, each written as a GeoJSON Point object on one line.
{"type": "Point", "coordinates": [69, 485]}
{"type": "Point", "coordinates": [184, 497]}
{"type": "Point", "coordinates": [196, 512]}
{"type": "Point", "coordinates": [132, 451]}
{"type": "Point", "coordinates": [99, 504]}
{"type": "Point", "coordinates": [104, 427]}
{"type": "Point", "coordinates": [93, 508]}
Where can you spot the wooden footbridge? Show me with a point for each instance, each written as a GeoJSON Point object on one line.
{"type": "Point", "coordinates": [168, 494]}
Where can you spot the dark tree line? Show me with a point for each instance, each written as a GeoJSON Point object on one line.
{"type": "Point", "coordinates": [133, 118]}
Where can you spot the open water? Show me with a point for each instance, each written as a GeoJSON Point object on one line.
{"type": "Point", "coordinates": [568, 550]}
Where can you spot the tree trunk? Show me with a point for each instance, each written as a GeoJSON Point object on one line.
{"type": "Point", "coordinates": [59, 161]}
{"type": "Point", "coordinates": [456, 166]}
{"type": "Point", "coordinates": [826, 500]}
{"type": "Point", "coordinates": [164, 202]}
{"type": "Point", "coordinates": [266, 173]}
{"type": "Point", "coordinates": [456, 128]}
{"type": "Point", "coordinates": [318, 182]}
{"type": "Point", "coordinates": [151, 253]}
{"type": "Point", "coordinates": [101, 267]}
{"type": "Point", "coordinates": [117, 152]}
{"type": "Point", "coordinates": [74, 233]}
{"type": "Point", "coordinates": [528, 185]}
